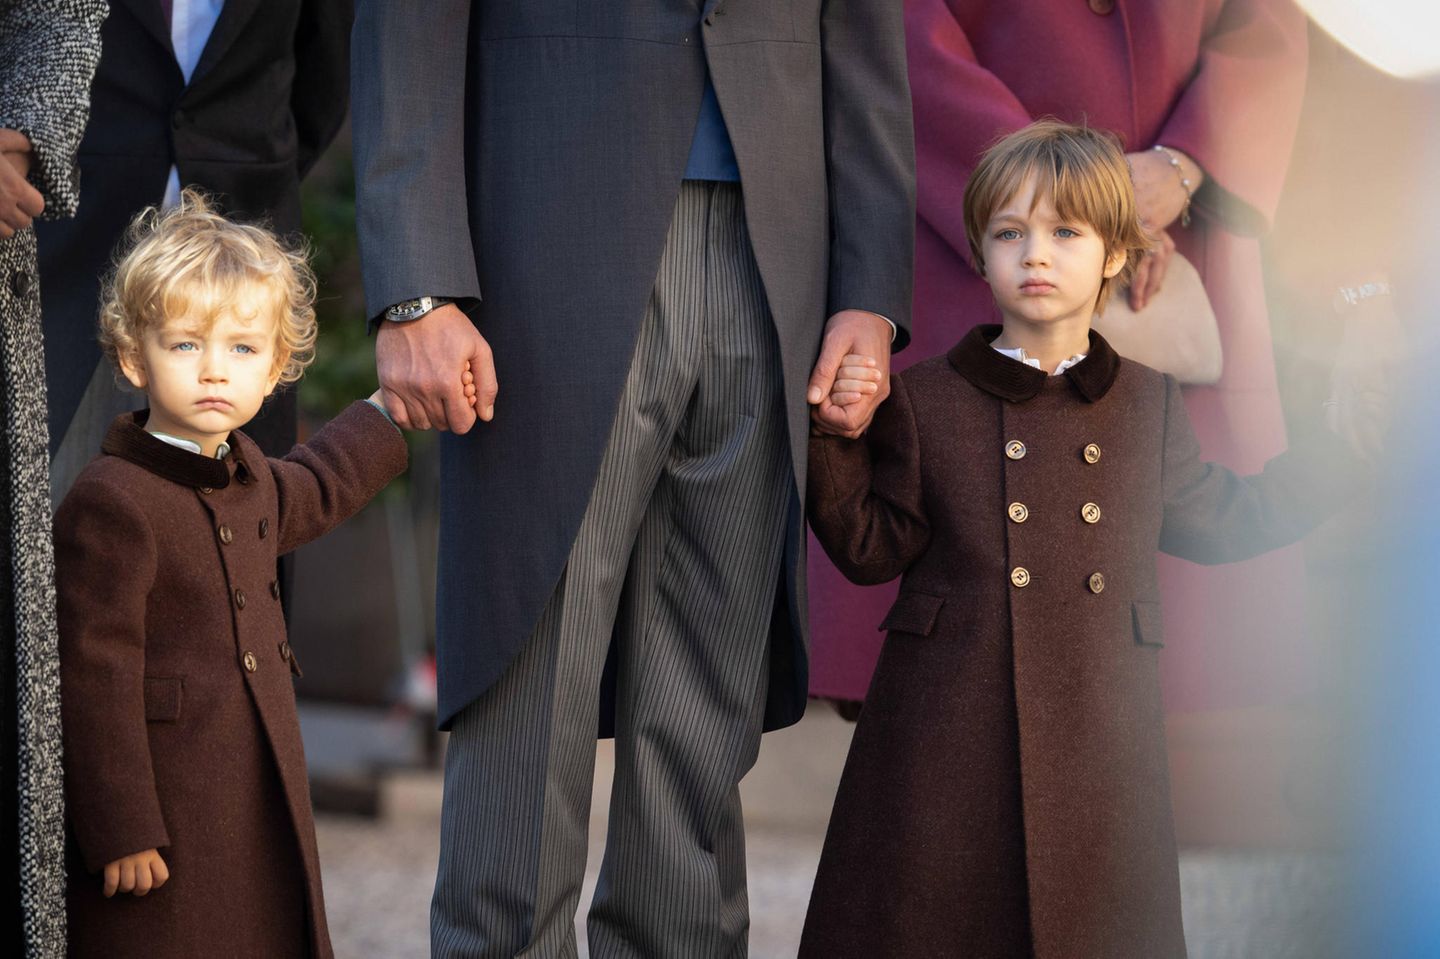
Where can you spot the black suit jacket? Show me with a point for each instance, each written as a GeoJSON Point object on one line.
{"type": "Point", "coordinates": [268, 95]}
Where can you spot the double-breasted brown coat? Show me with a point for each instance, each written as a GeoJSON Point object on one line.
{"type": "Point", "coordinates": [177, 699]}
{"type": "Point", "coordinates": [1006, 792]}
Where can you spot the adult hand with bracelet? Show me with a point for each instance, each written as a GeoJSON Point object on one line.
{"type": "Point", "coordinates": [1165, 181]}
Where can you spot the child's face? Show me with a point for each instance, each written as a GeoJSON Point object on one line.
{"type": "Point", "coordinates": [203, 383]}
{"type": "Point", "coordinates": [1042, 269]}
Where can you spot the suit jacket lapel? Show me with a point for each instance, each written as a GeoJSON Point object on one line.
{"type": "Point", "coordinates": [152, 18]}
{"type": "Point", "coordinates": [233, 17]}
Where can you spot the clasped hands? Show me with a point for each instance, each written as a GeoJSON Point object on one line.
{"type": "Point", "coordinates": [416, 360]}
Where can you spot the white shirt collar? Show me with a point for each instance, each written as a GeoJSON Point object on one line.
{"type": "Point", "coordinates": [1018, 353]}
{"type": "Point", "coordinates": [221, 451]}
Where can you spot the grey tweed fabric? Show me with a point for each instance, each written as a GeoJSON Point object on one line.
{"type": "Point", "coordinates": [678, 559]}
{"type": "Point", "coordinates": [48, 53]}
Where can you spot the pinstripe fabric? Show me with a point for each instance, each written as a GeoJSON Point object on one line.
{"type": "Point", "coordinates": [678, 557]}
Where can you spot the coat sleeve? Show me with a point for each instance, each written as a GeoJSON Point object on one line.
{"type": "Point", "coordinates": [324, 482]}
{"type": "Point", "coordinates": [865, 495]}
{"type": "Point", "coordinates": [1214, 516]}
{"type": "Point", "coordinates": [408, 67]}
{"type": "Point", "coordinates": [1238, 116]}
{"type": "Point", "coordinates": [320, 92]}
{"type": "Point", "coordinates": [105, 564]}
{"type": "Point", "coordinates": [960, 109]}
{"type": "Point", "coordinates": [870, 159]}
{"type": "Point", "coordinates": [48, 53]}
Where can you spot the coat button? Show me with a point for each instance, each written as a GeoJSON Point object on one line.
{"type": "Point", "coordinates": [251, 663]}
{"type": "Point", "coordinates": [20, 283]}
{"type": "Point", "coordinates": [1102, 7]}
{"type": "Point", "coordinates": [1020, 576]}
{"type": "Point", "coordinates": [264, 528]}
{"type": "Point", "coordinates": [1092, 453]}
{"type": "Point", "coordinates": [1015, 450]}
{"type": "Point", "coordinates": [239, 599]}
{"type": "Point", "coordinates": [1018, 512]}
{"type": "Point", "coordinates": [227, 536]}
{"type": "Point", "coordinates": [1097, 583]}
{"type": "Point", "coordinates": [178, 119]}
{"type": "Point", "coordinates": [1090, 513]}
{"type": "Point", "coordinates": [285, 650]}
{"type": "Point", "coordinates": [275, 588]}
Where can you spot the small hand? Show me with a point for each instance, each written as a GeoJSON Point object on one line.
{"type": "Point", "coordinates": [422, 367]}
{"type": "Point", "coordinates": [1150, 274]}
{"type": "Point", "coordinates": [858, 377]}
{"type": "Point", "coordinates": [138, 873]}
{"type": "Point", "coordinates": [849, 333]}
{"type": "Point", "coordinates": [20, 202]}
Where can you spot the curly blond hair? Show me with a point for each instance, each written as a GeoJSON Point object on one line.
{"type": "Point", "coordinates": [189, 261]}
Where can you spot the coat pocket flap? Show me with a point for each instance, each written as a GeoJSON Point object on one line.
{"type": "Point", "coordinates": [1149, 624]}
{"type": "Point", "coordinates": [913, 613]}
{"type": "Point", "coordinates": [162, 699]}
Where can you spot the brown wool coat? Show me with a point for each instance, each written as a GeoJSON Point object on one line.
{"type": "Point", "coordinates": [1006, 792]}
{"type": "Point", "coordinates": [177, 698]}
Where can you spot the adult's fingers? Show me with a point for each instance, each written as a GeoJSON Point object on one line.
{"type": "Point", "coordinates": [395, 405]}
{"type": "Point", "coordinates": [1137, 284]}
{"type": "Point", "coordinates": [487, 384]}
{"type": "Point", "coordinates": [822, 378]}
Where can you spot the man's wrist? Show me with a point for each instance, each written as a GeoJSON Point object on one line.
{"type": "Point", "coordinates": [407, 311]}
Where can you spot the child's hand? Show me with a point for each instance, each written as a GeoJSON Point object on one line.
{"type": "Point", "coordinates": [468, 380]}
{"type": "Point", "coordinates": [857, 378]}
{"type": "Point", "coordinates": [139, 874]}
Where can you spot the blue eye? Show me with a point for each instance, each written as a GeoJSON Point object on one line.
{"type": "Point", "coordinates": [185, 347]}
{"type": "Point", "coordinates": [1066, 233]}
{"type": "Point", "coordinates": [242, 348]}
{"type": "Point", "coordinates": [1008, 235]}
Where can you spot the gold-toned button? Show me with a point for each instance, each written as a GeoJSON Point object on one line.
{"type": "Point", "coordinates": [285, 650]}
{"type": "Point", "coordinates": [1092, 453]}
{"type": "Point", "coordinates": [240, 598]}
{"type": "Point", "coordinates": [206, 490]}
{"type": "Point", "coordinates": [1097, 583]}
{"type": "Point", "coordinates": [275, 588]}
{"type": "Point", "coordinates": [1090, 513]}
{"type": "Point", "coordinates": [264, 528]}
{"type": "Point", "coordinates": [251, 663]}
{"type": "Point", "coordinates": [1020, 576]}
{"type": "Point", "coordinates": [1019, 512]}
{"type": "Point", "coordinates": [227, 536]}
{"type": "Point", "coordinates": [1103, 7]}
{"type": "Point", "coordinates": [1015, 450]}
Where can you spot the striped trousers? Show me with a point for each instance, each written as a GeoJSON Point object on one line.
{"type": "Point", "coordinates": [676, 562]}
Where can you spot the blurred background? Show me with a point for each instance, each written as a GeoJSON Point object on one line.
{"type": "Point", "coordinates": [1308, 824]}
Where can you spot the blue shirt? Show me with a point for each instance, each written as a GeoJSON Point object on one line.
{"type": "Point", "coordinates": [711, 155]}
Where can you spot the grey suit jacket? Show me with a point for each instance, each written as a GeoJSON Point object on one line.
{"type": "Point", "coordinates": [526, 155]}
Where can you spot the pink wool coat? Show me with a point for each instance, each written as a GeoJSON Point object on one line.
{"type": "Point", "coordinates": [1221, 80]}
{"type": "Point", "coordinates": [176, 690]}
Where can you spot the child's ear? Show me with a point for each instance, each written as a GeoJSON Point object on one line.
{"type": "Point", "coordinates": [1114, 263]}
{"type": "Point", "coordinates": [134, 369]}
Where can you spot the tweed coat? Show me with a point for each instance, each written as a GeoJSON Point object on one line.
{"type": "Point", "coordinates": [1006, 792]}
{"type": "Point", "coordinates": [180, 725]}
{"type": "Point", "coordinates": [1221, 80]}
{"type": "Point", "coordinates": [48, 52]}
{"type": "Point", "coordinates": [526, 156]}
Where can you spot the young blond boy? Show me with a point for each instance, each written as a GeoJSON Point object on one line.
{"type": "Point", "coordinates": [1006, 792]}
{"type": "Point", "coordinates": [185, 774]}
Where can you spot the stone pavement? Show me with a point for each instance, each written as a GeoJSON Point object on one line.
{"type": "Point", "coordinates": [379, 873]}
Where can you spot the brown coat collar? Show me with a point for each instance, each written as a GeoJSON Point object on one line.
{"type": "Point", "coordinates": [976, 360]}
{"type": "Point", "coordinates": [128, 440]}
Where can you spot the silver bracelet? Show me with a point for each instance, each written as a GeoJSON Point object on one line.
{"type": "Point", "coordinates": [1185, 183]}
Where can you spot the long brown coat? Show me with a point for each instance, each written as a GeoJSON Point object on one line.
{"type": "Point", "coordinates": [178, 705]}
{"type": "Point", "coordinates": [1006, 792]}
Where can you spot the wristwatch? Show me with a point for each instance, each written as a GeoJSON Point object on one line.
{"type": "Point", "coordinates": [407, 310]}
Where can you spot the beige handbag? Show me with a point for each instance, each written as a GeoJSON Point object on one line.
{"type": "Point", "coordinates": [1176, 333]}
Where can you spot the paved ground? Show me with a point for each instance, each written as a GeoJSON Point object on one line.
{"type": "Point", "coordinates": [378, 873]}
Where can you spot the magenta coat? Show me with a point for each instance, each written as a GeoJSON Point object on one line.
{"type": "Point", "coordinates": [1221, 80]}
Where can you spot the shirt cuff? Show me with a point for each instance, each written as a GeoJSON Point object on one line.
{"type": "Point", "coordinates": [385, 413]}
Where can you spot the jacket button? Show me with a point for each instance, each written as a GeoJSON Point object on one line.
{"type": "Point", "coordinates": [251, 663]}
{"type": "Point", "coordinates": [275, 588]}
{"type": "Point", "coordinates": [1015, 450]}
{"type": "Point", "coordinates": [206, 490]}
{"type": "Point", "coordinates": [1092, 453]}
{"type": "Point", "coordinates": [1090, 513]}
{"type": "Point", "coordinates": [285, 650]}
{"type": "Point", "coordinates": [1102, 7]}
{"type": "Point", "coordinates": [20, 283]}
{"type": "Point", "coordinates": [1018, 512]}
{"type": "Point", "coordinates": [1097, 583]}
{"type": "Point", "coordinates": [239, 599]}
{"type": "Point", "coordinates": [227, 536]}
{"type": "Point", "coordinates": [264, 528]}
{"type": "Point", "coordinates": [1020, 576]}
{"type": "Point", "coordinates": [178, 119]}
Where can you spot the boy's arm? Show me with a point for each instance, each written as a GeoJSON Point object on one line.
{"type": "Point", "coordinates": [327, 480]}
{"type": "Point", "coordinates": [865, 500]}
{"type": "Point", "coordinates": [105, 558]}
{"type": "Point", "coordinates": [1214, 516]}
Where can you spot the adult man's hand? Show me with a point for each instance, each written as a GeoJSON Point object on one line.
{"type": "Point", "coordinates": [421, 365]}
{"type": "Point", "coordinates": [849, 333]}
{"type": "Point", "coordinates": [20, 202]}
